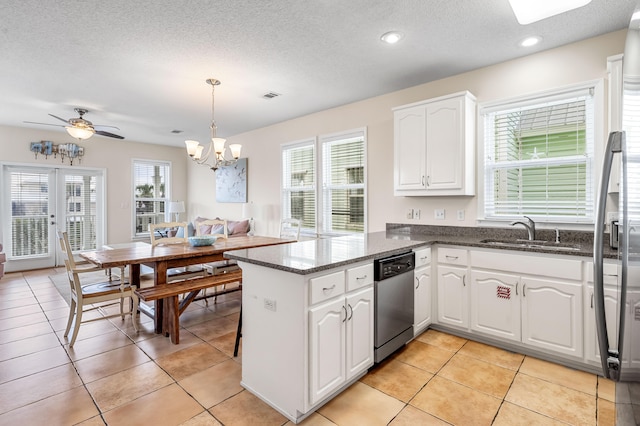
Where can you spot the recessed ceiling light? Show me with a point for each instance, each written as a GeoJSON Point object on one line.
{"type": "Point", "coordinates": [392, 37]}
{"type": "Point", "coordinates": [528, 11]}
{"type": "Point", "coordinates": [530, 41]}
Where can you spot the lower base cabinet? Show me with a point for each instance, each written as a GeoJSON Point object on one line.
{"type": "Point", "coordinates": [495, 309]}
{"type": "Point", "coordinates": [305, 338]}
{"type": "Point", "coordinates": [552, 316]}
{"type": "Point", "coordinates": [453, 296]}
{"type": "Point", "coordinates": [340, 341]}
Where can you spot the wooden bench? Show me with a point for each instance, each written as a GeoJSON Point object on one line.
{"type": "Point", "coordinates": [171, 308]}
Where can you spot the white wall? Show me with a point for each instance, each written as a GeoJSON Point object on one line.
{"type": "Point", "coordinates": [574, 63]}
{"type": "Point", "coordinates": [114, 155]}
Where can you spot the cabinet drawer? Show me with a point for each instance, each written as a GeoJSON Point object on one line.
{"type": "Point", "coordinates": [326, 286]}
{"type": "Point", "coordinates": [452, 256]}
{"type": "Point", "coordinates": [423, 256]}
{"type": "Point", "coordinates": [359, 277]}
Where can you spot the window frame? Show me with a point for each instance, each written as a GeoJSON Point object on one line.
{"type": "Point", "coordinates": [144, 233]}
{"type": "Point", "coordinates": [320, 187]}
{"type": "Point", "coordinates": [597, 89]}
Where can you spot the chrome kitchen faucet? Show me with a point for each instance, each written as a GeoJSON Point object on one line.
{"type": "Point", "coordinates": [530, 225]}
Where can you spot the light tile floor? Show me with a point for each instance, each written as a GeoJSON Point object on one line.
{"type": "Point", "coordinates": [116, 376]}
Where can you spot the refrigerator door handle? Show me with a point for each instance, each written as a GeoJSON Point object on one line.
{"type": "Point", "coordinates": [609, 359]}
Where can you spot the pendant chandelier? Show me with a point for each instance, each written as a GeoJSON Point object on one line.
{"type": "Point", "coordinates": [217, 147]}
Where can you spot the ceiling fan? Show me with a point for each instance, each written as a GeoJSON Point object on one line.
{"type": "Point", "coordinates": [80, 128]}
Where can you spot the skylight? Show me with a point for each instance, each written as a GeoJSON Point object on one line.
{"type": "Point", "coordinates": [528, 11]}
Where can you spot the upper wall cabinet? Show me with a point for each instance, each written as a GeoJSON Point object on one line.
{"type": "Point", "coordinates": [434, 146]}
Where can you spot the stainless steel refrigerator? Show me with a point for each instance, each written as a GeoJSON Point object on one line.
{"type": "Point", "coordinates": [617, 307]}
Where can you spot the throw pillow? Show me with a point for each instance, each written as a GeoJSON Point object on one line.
{"type": "Point", "coordinates": [238, 226]}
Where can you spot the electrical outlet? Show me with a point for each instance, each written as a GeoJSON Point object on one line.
{"type": "Point", "coordinates": [438, 214]}
{"type": "Point", "coordinates": [270, 304]}
{"type": "Point", "coordinates": [410, 214]}
{"type": "Point", "coordinates": [460, 214]}
{"type": "Point", "coordinates": [416, 213]}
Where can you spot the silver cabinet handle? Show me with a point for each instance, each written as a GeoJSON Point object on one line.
{"type": "Point", "coordinates": [417, 282]}
{"type": "Point", "coordinates": [428, 180]}
{"type": "Point", "coordinates": [524, 288]}
{"type": "Point", "coordinates": [591, 300]}
{"type": "Point", "coordinates": [464, 280]}
{"type": "Point", "coordinates": [345, 313]}
{"type": "Point", "coordinates": [325, 289]}
{"type": "Point", "coordinates": [423, 182]}
{"type": "Point", "coordinates": [451, 257]}
{"type": "Point", "coordinates": [423, 259]}
{"type": "Point", "coordinates": [364, 277]}
{"type": "Point", "coordinates": [516, 289]}
{"type": "Point", "coordinates": [351, 310]}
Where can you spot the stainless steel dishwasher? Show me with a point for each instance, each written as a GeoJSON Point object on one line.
{"type": "Point", "coordinates": [393, 310]}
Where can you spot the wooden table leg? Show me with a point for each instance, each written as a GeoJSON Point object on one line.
{"type": "Point", "coordinates": [159, 277]}
{"type": "Point", "coordinates": [172, 316]}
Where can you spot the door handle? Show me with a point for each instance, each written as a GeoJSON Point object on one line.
{"type": "Point", "coordinates": [350, 309]}
{"type": "Point", "coordinates": [345, 313]}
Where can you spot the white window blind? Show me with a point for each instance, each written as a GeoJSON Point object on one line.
{"type": "Point", "coordinates": [343, 183]}
{"type": "Point", "coordinates": [30, 192]}
{"type": "Point", "coordinates": [299, 184]}
{"type": "Point", "coordinates": [81, 219]}
{"type": "Point", "coordinates": [150, 193]}
{"type": "Point", "coordinates": [539, 158]}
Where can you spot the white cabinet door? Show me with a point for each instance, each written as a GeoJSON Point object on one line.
{"type": "Point", "coordinates": [552, 315]}
{"type": "Point", "coordinates": [591, 346]}
{"type": "Point", "coordinates": [409, 149]}
{"type": "Point", "coordinates": [453, 300]}
{"type": "Point", "coordinates": [359, 335]}
{"type": "Point", "coordinates": [326, 348]}
{"type": "Point", "coordinates": [422, 299]}
{"type": "Point", "coordinates": [434, 147]}
{"type": "Point", "coordinates": [445, 144]}
{"type": "Point", "coordinates": [495, 307]}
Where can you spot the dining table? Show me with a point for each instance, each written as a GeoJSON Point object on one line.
{"type": "Point", "coordinates": [164, 257]}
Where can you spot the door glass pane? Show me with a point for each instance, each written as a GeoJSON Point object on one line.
{"type": "Point", "coordinates": [29, 214]}
{"type": "Point", "coordinates": [80, 211]}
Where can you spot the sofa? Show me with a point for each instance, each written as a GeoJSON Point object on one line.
{"type": "Point", "coordinates": [235, 228]}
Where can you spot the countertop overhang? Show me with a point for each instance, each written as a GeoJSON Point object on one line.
{"type": "Point", "coordinates": [310, 256]}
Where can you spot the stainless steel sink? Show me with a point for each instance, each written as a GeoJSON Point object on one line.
{"type": "Point", "coordinates": [532, 244]}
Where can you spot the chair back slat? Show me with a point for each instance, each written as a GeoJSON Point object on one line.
{"type": "Point", "coordinates": [290, 229]}
{"type": "Point", "coordinates": [158, 239]}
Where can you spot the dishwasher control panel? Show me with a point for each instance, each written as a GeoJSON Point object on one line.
{"type": "Point", "coordinates": [394, 265]}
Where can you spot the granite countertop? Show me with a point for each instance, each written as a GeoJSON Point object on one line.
{"type": "Point", "coordinates": [306, 257]}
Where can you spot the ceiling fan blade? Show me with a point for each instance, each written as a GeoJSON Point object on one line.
{"type": "Point", "coordinates": [108, 134]}
{"type": "Point", "coordinates": [44, 124]}
{"type": "Point", "coordinates": [61, 119]}
{"type": "Point", "coordinates": [102, 126]}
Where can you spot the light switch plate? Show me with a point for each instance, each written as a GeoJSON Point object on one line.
{"type": "Point", "coordinates": [460, 214]}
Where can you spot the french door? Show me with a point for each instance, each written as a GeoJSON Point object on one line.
{"type": "Point", "coordinates": [36, 201]}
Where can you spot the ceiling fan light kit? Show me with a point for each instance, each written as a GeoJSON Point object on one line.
{"type": "Point", "coordinates": [216, 149]}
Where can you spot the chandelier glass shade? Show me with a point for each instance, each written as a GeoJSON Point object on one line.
{"type": "Point", "coordinates": [216, 151]}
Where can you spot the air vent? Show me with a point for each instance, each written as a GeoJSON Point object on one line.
{"type": "Point", "coordinates": [175, 132]}
{"type": "Point", "coordinates": [271, 95]}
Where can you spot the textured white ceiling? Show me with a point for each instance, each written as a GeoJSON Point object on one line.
{"type": "Point", "coordinates": [142, 65]}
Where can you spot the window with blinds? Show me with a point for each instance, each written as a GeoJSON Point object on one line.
{"type": "Point", "coordinates": [30, 192]}
{"type": "Point", "coordinates": [299, 184]}
{"type": "Point", "coordinates": [338, 204]}
{"type": "Point", "coordinates": [343, 172]}
{"type": "Point", "coordinates": [150, 193]}
{"type": "Point", "coordinates": [539, 158]}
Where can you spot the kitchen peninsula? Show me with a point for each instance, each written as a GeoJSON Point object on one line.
{"type": "Point", "coordinates": [308, 306]}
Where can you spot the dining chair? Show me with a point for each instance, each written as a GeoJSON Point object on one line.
{"type": "Point", "coordinates": [159, 235]}
{"type": "Point", "coordinates": [220, 229]}
{"type": "Point", "coordinates": [84, 295]}
{"type": "Point", "coordinates": [290, 229]}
